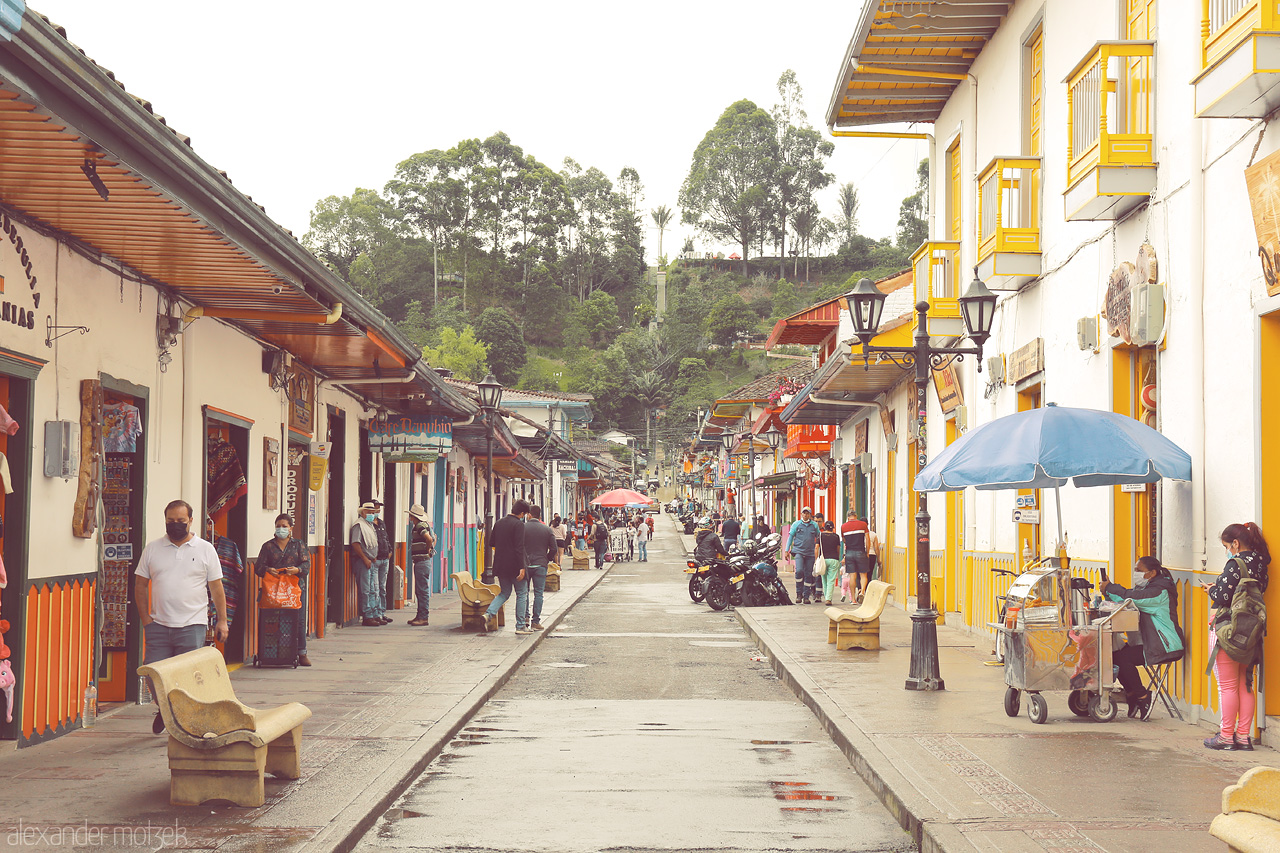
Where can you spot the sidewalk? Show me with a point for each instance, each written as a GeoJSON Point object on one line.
{"type": "Point", "coordinates": [960, 775]}
{"type": "Point", "coordinates": [385, 701]}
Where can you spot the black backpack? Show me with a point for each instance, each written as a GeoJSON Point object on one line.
{"type": "Point", "coordinates": [602, 532]}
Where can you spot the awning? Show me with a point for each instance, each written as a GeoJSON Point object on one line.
{"type": "Point", "coordinates": [840, 390]}
{"type": "Point", "coordinates": [906, 59]}
{"type": "Point", "coordinates": [809, 327]}
{"type": "Point", "coordinates": [518, 467]}
{"type": "Point", "coordinates": [782, 481]}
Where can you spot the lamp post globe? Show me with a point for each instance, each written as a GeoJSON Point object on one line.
{"type": "Point", "coordinates": [978, 309]}
{"type": "Point", "coordinates": [490, 392]}
{"type": "Point", "coordinates": [866, 304]}
{"type": "Point", "coordinates": [727, 439]}
{"type": "Point", "coordinates": [773, 437]}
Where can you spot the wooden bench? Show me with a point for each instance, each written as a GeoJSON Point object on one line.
{"type": "Point", "coordinates": [859, 628]}
{"type": "Point", "coordinates": [553, 577]}
{"type": "Point", "coordinates": [219, 748]}
{"type": "Point", "coordinates": [476, 598]}
{"type": "Point", "coordinates": [1250, 819]}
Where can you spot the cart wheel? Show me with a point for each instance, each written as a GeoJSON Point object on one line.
{"type": "Point", "coordinates": [1078, 702]}
{"type": "Point", "coordinates": [1037, 709]}
{"type": "Point", "coordinates": [1000, 653]}
{"type": "Point", "coordinates": [1012, 701]}
{"type": "Point", "coordinates": [1102, 713]}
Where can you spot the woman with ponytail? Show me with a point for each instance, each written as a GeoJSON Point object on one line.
{"type": "Point", "coordinates": [1249, 557]}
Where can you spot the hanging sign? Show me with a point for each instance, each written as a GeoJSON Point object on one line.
{"type": "Point", "coordinates": [294, 477]}
{"type": "Point", "coordinates": [300, 386]}
{"type": "Point", "coordinates": [1262, 179]}
{"type": "Point", "coordinates": [411, 439]}
{"type": "Point", "coordinates": [1027, 361]}
{"type": "Point", "coordinates": [19, 304]}
{"type": "Point", "coordinates": [947, 384]}
{"type": "Point", "coordinates": [1119, 301]}
{"type": "Point", "coordinates": [271, 473]}
{"type": "Point", "coordinates": [319, 463]}
{"type": "Point", "coordinates": [860, 437]}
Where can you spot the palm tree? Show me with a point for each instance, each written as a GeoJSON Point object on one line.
{"type": "Point", "coordinates": [848, 200]}
{"type": "Point", "coordinates": [662, 219]}
{"type": "Point", "coordinates": [650, 391]}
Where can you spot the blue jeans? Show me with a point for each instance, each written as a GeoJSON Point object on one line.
{"type": "Point", "coordinates": [644, 550]}
{"type": "Point", "coordinates": [536, 576]}
{"type": "Point", "coordinates": [422, 586]}
{"type": "Point", "coordinates": [379, 581]}
{"type": "Point", "coordinates": [730, 543]}
{"type": "Point", "coordinates": [505, 586]}
{"type": "Point", "coordinates": [366, 580]}
{"type": "Point", "coordinates": [582, 544]}
{"type": "Point", "coordinates": [165, 642]}
{"type": "Point", "coordinates": [805, 583]}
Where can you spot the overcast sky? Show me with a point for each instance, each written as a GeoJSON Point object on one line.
{"type": "Point", "coordinates": [298, 100]}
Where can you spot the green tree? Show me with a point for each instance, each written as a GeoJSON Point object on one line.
{"type": "Point", "coordinates": [429, 200]}
{"type": "Point", "coordinates": [729, 318]}
{"type": "Point", "coordinates": [343, 228]}
{"type": "Point", "coordinates": [913, 227]}
{"type": "Point", "coordinates": [461, 353]}
{"type": "Point", "coordinates": [726, 190]}
{"type": "Point", "coordinates": [802, 153]}
{"type": "Point", "coordinates": [847, 222]}
{"type": "Point", "coordinates": [662, 219]}
{"type": "Point", "coordinates": [503, 342]}
{"type": "Point", "coordinates": [595, 320]}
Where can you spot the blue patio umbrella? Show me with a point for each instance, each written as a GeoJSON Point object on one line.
{"type": "Point", "coordinates": [1044, 448]}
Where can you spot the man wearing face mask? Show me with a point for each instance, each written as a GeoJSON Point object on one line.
{"type": "Point", "coordinates": [170, 590]}
{"type": "Point", "coordinates": [284, 555]}
{"type": "Point", "coordinates": [364, 549]}
{"type": "Point", "coordinates": [1158, 638]}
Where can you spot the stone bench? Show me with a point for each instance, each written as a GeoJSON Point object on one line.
{"type": "Point", "coordinates": [219, 749]}
{"type": "Point", "coordinates": [476, 598]}
{"type": "Point", "coordinates": [553, 578]}
{"type": "Point", "coordinates": [1250, 819]}
{"type": "Point", "coordinates": [581, 560]}
{"type": "Point", "coordinates": [859, 628]}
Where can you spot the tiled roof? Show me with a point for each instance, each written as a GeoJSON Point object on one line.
{"type": "Point", "coordinates": [760, 389]}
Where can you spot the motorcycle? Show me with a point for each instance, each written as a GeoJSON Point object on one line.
{"type": "Point", "coordinates": [758, 585]}
{"type": "Point", "coordinates": [690, 523]}
{"type": "Point", "coordinates": [697, 581]}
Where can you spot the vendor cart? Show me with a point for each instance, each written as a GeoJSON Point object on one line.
{"type": "Point", "coordinates": [1054, 640]}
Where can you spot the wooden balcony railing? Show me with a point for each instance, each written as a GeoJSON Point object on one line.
{"type": "Point", "coordinates": [809, 440]}
{"type": "Point", "coordinates": [1109, 105]}
{"type": "Point", "coordinates": [936, 277]}
{"type": "Point", "coordinates": [1009, 206]}
{"type": "Point", "coordinates": [1224, 23]}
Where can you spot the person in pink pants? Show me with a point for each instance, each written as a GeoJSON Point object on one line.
{"type": "Point", "coordinates": [1236, 700]}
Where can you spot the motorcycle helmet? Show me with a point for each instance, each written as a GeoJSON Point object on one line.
{"type": "Point", "coordinates": [767, 571]}
{"type": "Point", "coordinates": [705, 521]}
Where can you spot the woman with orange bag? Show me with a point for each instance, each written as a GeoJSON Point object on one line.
{"type": "Point", "coordinates": [283, 555]}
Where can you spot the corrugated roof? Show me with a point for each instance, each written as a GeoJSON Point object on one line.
{"type": "Point", "coordinates": [808, 327]}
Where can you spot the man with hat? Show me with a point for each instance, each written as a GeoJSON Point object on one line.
{"type": "Point", "coordinates": [422, 546]}
{"type": "Point", "coordinates": [364, 549]}
{"type": "Point", "coordinates": [381, 563]}
{"type": "Point", "coordinates": [803, 549]}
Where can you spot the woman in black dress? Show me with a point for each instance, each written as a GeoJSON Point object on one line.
{"type": "Point", "coordinates": [284, 555]}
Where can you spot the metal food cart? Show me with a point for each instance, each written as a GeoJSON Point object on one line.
{"type": "Point", "coordinates": [1055, 641]}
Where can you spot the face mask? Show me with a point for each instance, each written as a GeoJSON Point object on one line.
{"type": "Point", "coordinates": [283, 532]}
{"type": "Point", "coordinates": [1140, 583]}
{"type": "Point", "coordinates": [370, 518]}
{"type": "Point", "coordinates": [176, 529]}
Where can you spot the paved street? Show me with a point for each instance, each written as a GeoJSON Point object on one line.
{"type": "Point", "coordinates": [642, 723]}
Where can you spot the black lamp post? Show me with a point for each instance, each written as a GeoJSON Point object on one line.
{"type": "Point", "coordinates": [977, 309]}
{"type": "Point", "coordinates": [774, 438]}
{"type": "Point", "coordinates": [727, 439]}
{"type": "Point", "coordinates": [490, 399]}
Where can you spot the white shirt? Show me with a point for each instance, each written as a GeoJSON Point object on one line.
{"type": "Point", "coordinates": [180, 576]}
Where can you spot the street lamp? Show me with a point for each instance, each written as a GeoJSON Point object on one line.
{"type": "Point", "coordinates": [977, 308]}
{"type": "Point", "coordinates": [490, 398]}
{"type": "Point", "coordinates": [774, 438]}
{"type": "Point", "coordinates": [727, 439]}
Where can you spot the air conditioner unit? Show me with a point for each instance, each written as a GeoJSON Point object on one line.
{"type": "Point", "coordinates": [1146, 314]}
{"type": "Point", "coordinates": [962, 418]}
{"type": "Point", "coordinates": [61, 449]}
{"type": "Point", "coordinates": [995, 368]}
{"type": "Point", "coordinates": [865, 461]}
{"type": "Point", "coordinates": [1087, 333]}
{"type": "Point", "coordinates": [891, 441]}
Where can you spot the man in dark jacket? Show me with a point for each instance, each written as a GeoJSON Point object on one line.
{"type": "Point", "coordinates": [506, 542]}
{"type": "Point", "coordinates": [540, 548]}
{"type": "Point", "coordinates": [1159, 638]}
{"type": "Point", "coordinates": [731, 530]}
{"type": "Point", "coordinates": [706, 544]}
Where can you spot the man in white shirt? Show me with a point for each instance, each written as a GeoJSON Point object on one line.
{"type": "Point", "coordinates": [170, 586]}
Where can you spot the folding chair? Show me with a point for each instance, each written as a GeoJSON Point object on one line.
{"type": "Point", "coordinates": [1158, 684]}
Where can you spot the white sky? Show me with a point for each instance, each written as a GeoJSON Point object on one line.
{"type": "Point", "coordinates": [300, 100]}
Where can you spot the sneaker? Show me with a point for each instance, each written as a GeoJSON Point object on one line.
{"type": "Point", "coordinates": [1220, 742]}
{"type": "Point", "coordinates": [157, 725]}
{"type": "Point", "coordinates": [1245, 743]}
{"type": "Point", "coordinates": [523, 631]}
{"type": "Point", "coordinates": [537, 626]}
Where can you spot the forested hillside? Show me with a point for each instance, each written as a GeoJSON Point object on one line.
{"type": "Point", "coordinates": [492, 260]}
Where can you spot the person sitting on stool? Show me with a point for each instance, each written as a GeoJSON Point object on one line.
{"type": "Point", "coordinates": [1158, 639]}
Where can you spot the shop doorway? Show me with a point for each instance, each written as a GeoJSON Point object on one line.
{"type": "Point", "coordinates": [124, 500]}
{"type": "Point", "coordinates": [225, 519]}
{"type": "Point", "coordinates": [15, 397]}
{"type": "Point", "coordinates": [340, 607]}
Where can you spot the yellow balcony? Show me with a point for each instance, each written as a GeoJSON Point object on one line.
{"type": "Point", "coordinates": [1009, 222]}
{"type": "Point", "coordinates": [1110, 153]}
{"type": "Point", "coordinates": [936, 278]}
{"type": "Point", "coordinates": [1240, 55]}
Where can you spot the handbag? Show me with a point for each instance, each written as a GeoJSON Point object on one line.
{"type": "Point", "coordinates": [279, 592]}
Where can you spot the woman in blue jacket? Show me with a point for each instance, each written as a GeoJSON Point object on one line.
{"type": "Point", "coordinates": [1156, 597]}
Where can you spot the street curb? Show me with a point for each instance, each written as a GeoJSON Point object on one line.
{"type": "Point", "coordinates": [927, 826]}
{"type": "Point", "coordinates": [350, 825]}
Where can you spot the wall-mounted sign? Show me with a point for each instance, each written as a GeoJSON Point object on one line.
{"type": "Point", "coordinates": [1026, 516]}
{"type": "Point", "coordinates": [301, 389]}
{"type": "Point", "coordinates": [319, 463]}
{"type": "Point", "coordinates": [860, 437]}
{"type": "Point", "coordinates": [1133, 487]}
{"type": "Point", "coordinates": [947, 384]}
{"type": "Point", "coordinates": [18, 304]}
{"type": "Point", "coordinates": [1025, 501]}
{"type": "Point", "coordinates": [411, 439]}
{"type": "Point", "coordinates": [1026, 361]}
{"type": "Point", "coordinates": [294, 477]}
{"type": "Point", "coordinates": [1263, 182]}
{"type": "Point", "coordinates": [271, 473]}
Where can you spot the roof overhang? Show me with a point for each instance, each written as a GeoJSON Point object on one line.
{"type": "Point", "coordinates": [905, 60]}
{"type": "Point", "coordinates": [841, 390]}
{"type": "Point", "coordinates": [809, 327]}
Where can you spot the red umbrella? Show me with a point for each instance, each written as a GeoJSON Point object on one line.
{"type": "Point", "coordinates": [621, 497]}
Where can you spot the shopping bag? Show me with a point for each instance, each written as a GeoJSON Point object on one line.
{"type": "Point", "coordinates": [279, 592]}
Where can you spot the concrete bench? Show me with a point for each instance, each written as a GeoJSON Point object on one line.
{"type": "Point", "coordinates": [581, 560]}
{"type": "Point", "coordinates": [476, 598]}
{"type": "Point", "coordinates": [553, 577]}
{"type": "Point", "coordinates": [218, 747]}
{"type": "Point", "coordinates": [859, 628]}
{"type": "Point", "coordinates": [1250, 819]}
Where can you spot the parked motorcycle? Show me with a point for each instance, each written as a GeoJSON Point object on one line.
{"type": "Point", "coordinates": [697, 581]}
{"type": "Point", "coordinates": [758, 585]}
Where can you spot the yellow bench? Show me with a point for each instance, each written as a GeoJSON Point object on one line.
{"type": "Point", "coordinates": [859, 628]}
{"type": "Point", "coordinates": [476, 598]}
{"type": "Point", "coordinates": [219, 749]}
{"type": "Point", "coordinates": [1250, 819]}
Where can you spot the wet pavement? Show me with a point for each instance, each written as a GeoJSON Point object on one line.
{"type": "Point", "coordinates": [644, 722]}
